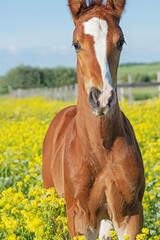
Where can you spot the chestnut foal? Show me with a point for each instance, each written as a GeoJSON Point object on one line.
{"type": "Point", "coordinates": [90, 153]}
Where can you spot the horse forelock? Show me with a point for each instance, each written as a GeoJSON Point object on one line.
{"type": "Point", "coordinates": [98, 7]}
{"type": "Point", "coordinates": [92, 3]}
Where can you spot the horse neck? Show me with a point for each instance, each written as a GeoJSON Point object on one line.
{"type": "Point", "coordinates": [98, 130]}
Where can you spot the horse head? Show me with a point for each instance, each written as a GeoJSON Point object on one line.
{"type": "Point", "coordinates": [98, 41]}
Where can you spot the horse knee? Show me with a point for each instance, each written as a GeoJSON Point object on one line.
{"type": "Point", "coordinates": [135, 222]}
{"type": "Point", "coordinates": [132, 223]}
{"type": "Point", "coordinates": [78, 225]}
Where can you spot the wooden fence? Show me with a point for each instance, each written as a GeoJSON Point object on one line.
{"type": "Point", "coordinates": [69, 93]}
{"type": "Point", "coordinates": [66, 93]}
{"type": "Point", "coordinates": [130, 85]}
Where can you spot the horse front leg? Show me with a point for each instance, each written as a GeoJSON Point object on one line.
{"type": "Point", "coordinates": [132, 224]}
{"type": "Point", "coordinates": [79, 223]}
{"type": "Point", "coordinates": [78, 226]}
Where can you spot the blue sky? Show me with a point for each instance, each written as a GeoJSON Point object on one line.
{"type": "Point", "coordinates": [39, 33]}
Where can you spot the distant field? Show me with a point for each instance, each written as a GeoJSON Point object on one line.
{"type": "Point", "coordinates": [134, 69]}
{"type": "Point", "coordinates": [143, 93]}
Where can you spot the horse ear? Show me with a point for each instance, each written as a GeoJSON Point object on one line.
{"type": "Point", "coordinates": [76, 6]}
{"type": "Point", "coordinates": [117, 6]}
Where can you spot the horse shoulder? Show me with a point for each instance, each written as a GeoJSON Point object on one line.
{"type": "Point", "coordinates": [53, 148]}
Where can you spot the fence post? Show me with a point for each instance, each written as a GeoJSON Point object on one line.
{"type": "Point", "coordinates": [71, 93]}
{"type": "Point", "coordinates": [55, 93]}
{"type": "Point", "coordinates": [130, 90]}
{"type": "Point", "coordinates": [65, 90]}
{"type": "Point", "coordinates": [158, 80]}
{"type": "Point", "coordinates": [121, 93]}
{"type": "Point", "coordinates": [60, 94]}
{"type": "Point", "coordinates": [76, 90]}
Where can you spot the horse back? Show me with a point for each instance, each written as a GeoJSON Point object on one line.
{"type": "Point", "coordinates": [53, 149]}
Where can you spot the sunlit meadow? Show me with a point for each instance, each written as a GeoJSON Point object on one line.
{"type": "Point", "coordinates": [27, 211]}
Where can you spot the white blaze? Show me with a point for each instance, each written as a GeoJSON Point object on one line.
{"type": "Point", "coordinates": [98, 28]}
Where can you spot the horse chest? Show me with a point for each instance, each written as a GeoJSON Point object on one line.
{"type": "Point", "coordinates": [95, 179]}
{"type": "Point", "coordinates": [122, 183]}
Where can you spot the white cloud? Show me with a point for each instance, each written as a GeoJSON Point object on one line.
{"type": "Point", "coordinates": [61, 49]}
{"type": "Point", "coordinates": [12, 49]}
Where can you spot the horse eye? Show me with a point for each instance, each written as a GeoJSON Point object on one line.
{"type": "Point", "coordinates": [77, 46]}
{"type": "Point", "coordinates": [120, 43]}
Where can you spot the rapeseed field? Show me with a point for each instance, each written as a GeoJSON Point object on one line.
{"type": "Point", "coordinates": [27, 211]}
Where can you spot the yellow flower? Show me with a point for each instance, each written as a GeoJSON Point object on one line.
{"type": "Point", "coordinates": [14, 210]}
{"type": "Point", "coordinates": [26, 179]}
{"type": "Point", "coordinates": [10, 223]}
{"type": "Point", "coordinates": [8, 206]}
{"type": "Point", "coordinates": [79, 238]}
{"type": "Point", "coordinates": [156, 169]}
{"type": "Point", "coordinates": [157, 238]}
{"type": "Point", "coordinates": [33, 210]}
{"type": "Point", "coordinates": [38, 238]}
{"type": "Point", "coordinates": [126, 237]}
{"type": "Point", "coordinates": [145, 231]}
{"type": "Point", "coordinates": [20, 184]}
{"type": "Point", "coordinates": [114, 235]}
{"type": "Point", "coordinates": [12, 237]}
{"type": "Point", "coordinates": [35, 225]}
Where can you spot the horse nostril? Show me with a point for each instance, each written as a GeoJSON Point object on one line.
{"type": "Point", "coordinates": [93, 97]}
{"type": "Point", "coordinates": [110, 99]}
{"type": "Point", "coordinates": [109, 102]}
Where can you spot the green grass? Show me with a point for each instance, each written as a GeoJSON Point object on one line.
{"type": "Point", "coordinates": [143, 93]}
{"type": "Point", "coordinates": [4, 96]}
{"type": "Point", "coordinates": [134, 69]}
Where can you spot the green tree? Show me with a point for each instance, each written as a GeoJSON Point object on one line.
{"type": "Point", "coordinates": [3, 86]}
{"type": "Point", "coordinates": [65, 76]}
{"type": "Point", "coordinates": [47, 78]}
{"type": "Point", "coordinates": [29, 77]}
{"type": "Point", "coordinates": [23, 77]}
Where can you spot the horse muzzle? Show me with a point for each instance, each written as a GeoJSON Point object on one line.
{"type": "Point", "coordinates": [102, 102]}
